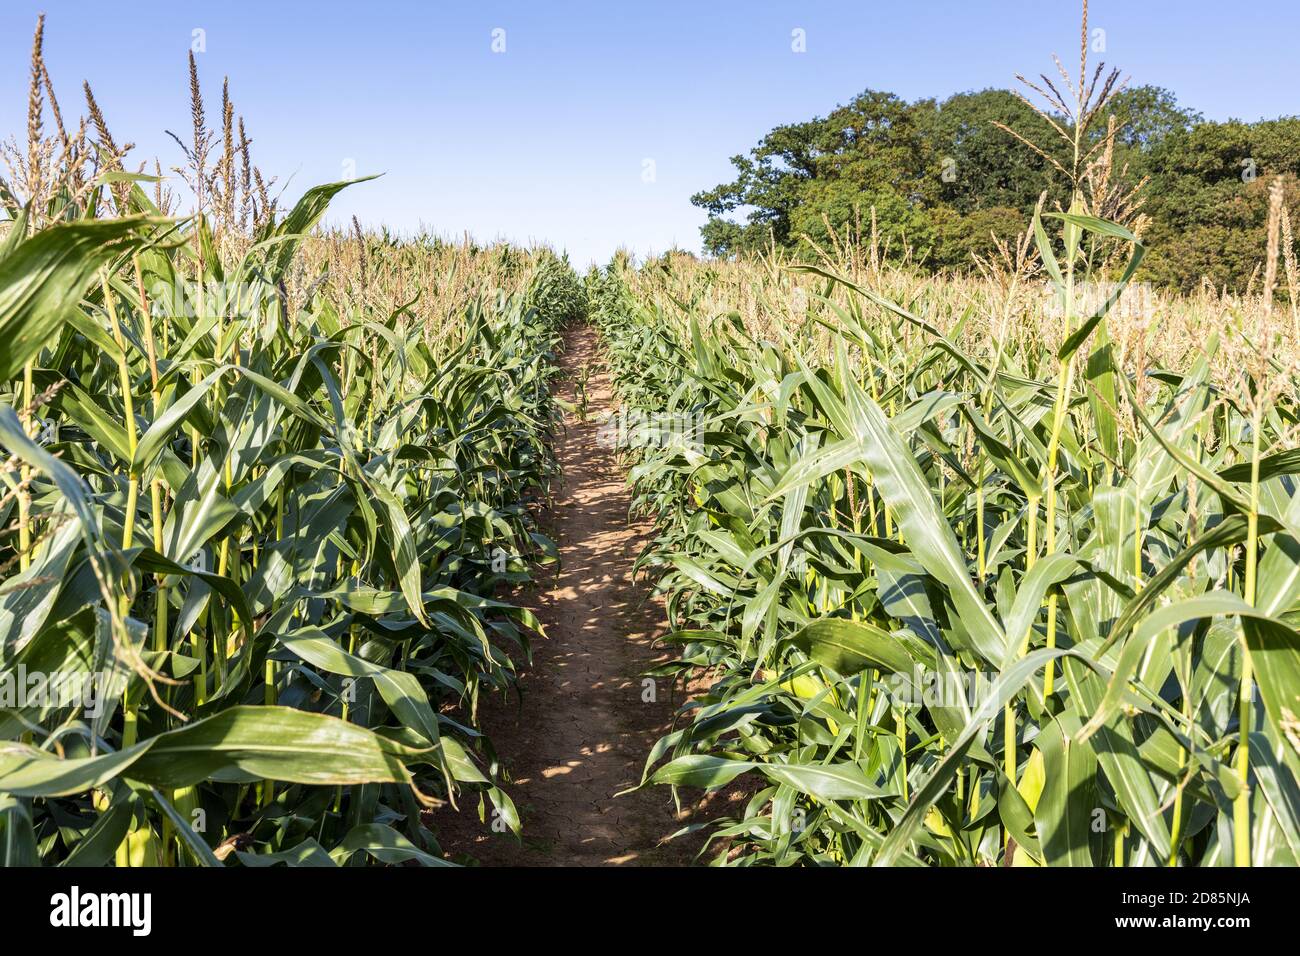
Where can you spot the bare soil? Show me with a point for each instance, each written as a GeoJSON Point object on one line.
{"type": "Point", "coordinates": [584, 728]}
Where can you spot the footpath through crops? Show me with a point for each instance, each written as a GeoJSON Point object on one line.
{"type": "Point", "coordinates": [961, 570]}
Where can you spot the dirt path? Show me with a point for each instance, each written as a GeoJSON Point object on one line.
{"type": "Point", "coordinates": [583, 730]}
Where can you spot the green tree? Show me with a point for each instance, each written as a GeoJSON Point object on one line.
{"type": "Point", "coordinates": [981, 166]}
{"type": "Point", "coordinates": [943, 178]}
{"type": "Point", "coordinates": [1209, 201]}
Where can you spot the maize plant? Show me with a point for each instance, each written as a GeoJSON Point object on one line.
{"type": "Point", "coordinates": [1024, 607]}
{"type": "Point", "coordinates": [256, 528]}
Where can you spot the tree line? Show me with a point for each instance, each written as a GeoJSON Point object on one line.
{"type": "Point", "coordinates": [944, 177]}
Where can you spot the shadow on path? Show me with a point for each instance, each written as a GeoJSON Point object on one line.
{"type": "Point", "coordinates": [583, 731]}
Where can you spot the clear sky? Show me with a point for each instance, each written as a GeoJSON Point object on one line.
{"type": "Point", "coordinates": [552, 138]}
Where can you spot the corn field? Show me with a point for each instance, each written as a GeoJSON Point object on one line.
{"type": "Point", "coordinates": [258, 510]}
{"type": "Point", "coordinates": [1035, 607]}
{"type": "Point", "coordinates": [1000, 569]}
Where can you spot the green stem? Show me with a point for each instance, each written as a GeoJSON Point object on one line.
{"type": "Point", "coordinates": [1245, 718]}
{"type": "Point", "coordinates": [25, 475]}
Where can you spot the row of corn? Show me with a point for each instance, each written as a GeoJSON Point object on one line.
{"type": "Point", "coordinates": [254, 535]}
{"type": "Point", "coordinates": [1014, 606]}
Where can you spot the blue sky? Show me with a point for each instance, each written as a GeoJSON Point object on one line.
{"type": "Point", "coordinates": [549, 140]}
